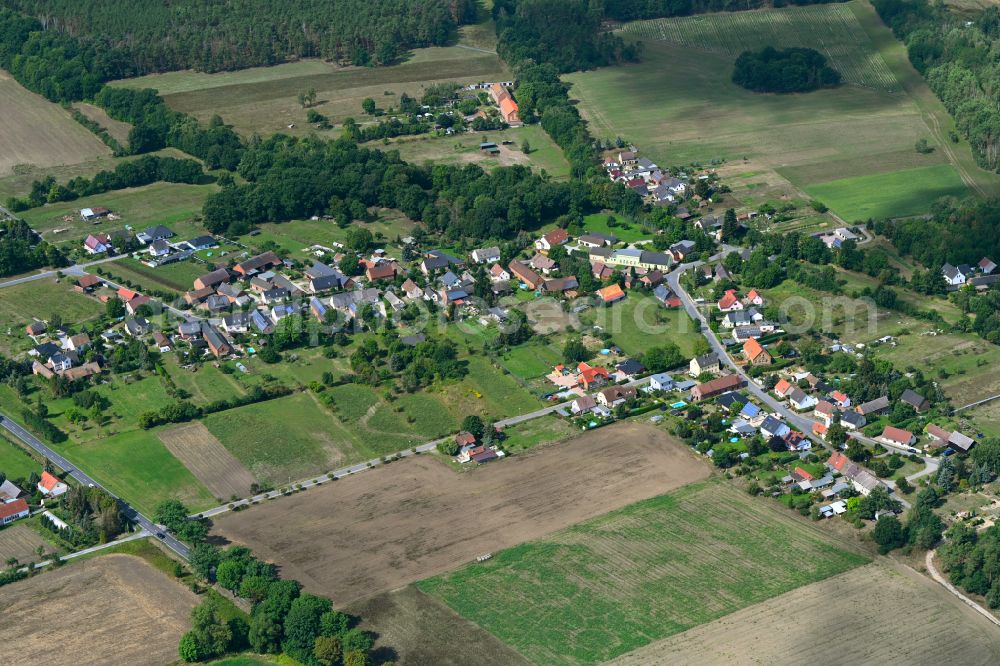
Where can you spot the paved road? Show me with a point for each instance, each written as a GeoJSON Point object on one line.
{"type": "Point", "coordinates": [130, 512]}
{"type": "Point", "coordinates": [76, 270]}
{"type": "Point", "coordinates": [799, 421]}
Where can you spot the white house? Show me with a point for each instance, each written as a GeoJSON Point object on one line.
{"type": "Point", "coordinates": [50, 486]}
{"type": "Point", "coordinates": [486, 255]}
{"type": "Point", "coordinates": [583, 404]}
{"type": "Point", "coordinates": [13, 511]}
{"type": "Point", "coordinates": [955, 275]}
{"type": "Point", "coordinates": [159, 248]}
{"type": "Point", "coordinates": [661, 382]}
{"type": "Point", "coordinates": [801, 400]}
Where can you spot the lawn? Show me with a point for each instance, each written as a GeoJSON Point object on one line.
{"type": "Point", "coordinates": [136, 466]}
{"type": "Point", "coordinates": [177, 277]}
{"type": "Point", "coordinates": [598, 223]}
{"type": "Point", "coordinates": [14, 462]}
{"type": "Point", "coordinates": [37, 132]}
{"type": "Point", "coordinates": [543, 430]}
{"type": "Point", "coordinates": [640, 322]}
{"type": "Point", "coordinates": [173, 204]}
{"type": "Point", "coordinates": [296, 236]}
{"type": "Point", "coordinates": [895, 194]}
{"type": "Point", "coordinates": [264, 99]}
{"type": "Point", "coordinates": [653, 569]}
{"type": "Point", "coordinates": [531, 360]}
{"type": "Point", "coordinates": [678, 105]}
{"type": "Point", "coordinates": [42, 299]}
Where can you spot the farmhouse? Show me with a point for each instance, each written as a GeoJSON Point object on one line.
{"type": "Point", "coordinates": [51, 486]}
{"type": "Point", "coordinates": [486, 255]}
{"type": "Point", "coordinates": [211, 280]}
{"type": "Point", "coordinates": [755, 354]}
{"type": "Point", "coordinates": [525, 274]}
{"type": "Point", "coordinates": [254, 265]}
{"type": "Point", "coordinates": [557, 236]}
{"type": "Point", "coordinates": [915, 400]}
{"type": "Point", "coordinates": [98, 244]}
{"type": "Point", "coordinates": [706, 363]}
{"type": "Point", "coordinates": [610, 294]}
{"type": "Point", "coordinates": [716, 387]}
{"type": "Point", "coordinates": [216, 343]}
{"type": "Point", "coordinates": [508, 107]}
{"type": "Point", "coordinates": [873, 407]}
{"type": "Point", "coordinates": [8, 492]}
{"type": "Point", "coordinates": [12, 511]}
{"type": "Point", "coordinates": [615, 395]}
{"type": "Point", "coordinates": [897, 436]}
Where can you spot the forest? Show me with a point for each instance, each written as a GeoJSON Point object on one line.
{"type": "Point", "coordinates": [961, 62]}
{"type": "Point", "coordinates": [791, 70]}
{"type": "Point", "coordinates": [21, 250]}
{"type": "Point", "coordinates": [135, 38]}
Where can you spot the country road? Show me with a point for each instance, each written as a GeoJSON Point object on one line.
{"type": "Point", "coordinates": [83, 479]}
{"type": "Point", "coordinates": [792, 418]}
{"type": "Point", "coordinates": [141, 534]}
{"type": "Point", "coordinates": [76, 270]}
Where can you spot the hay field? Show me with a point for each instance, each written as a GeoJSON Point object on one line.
{"type": "Point", "coordinates": [20, 542]}
{"type": "Point", "coordinates": [830, 29]}
{"type": "Point", "coordinates": [113, 610]}
{"type": "Point", "coordinates": [264, 99]}
{"type": "Point", "coordinates": [679, 106]}
{"type": "Point", "coordinates": [37, 132]}
{"type": "Point", "coordinates": [605, 587]}
{"type": "Point", "coordinates": [416, 518]}
{"type": "Point", "coordinates": [208, 460]}
{"type": "Point", "coordinates": [116, 128]}
{"type": "Point", "coordinates": [883, 613]}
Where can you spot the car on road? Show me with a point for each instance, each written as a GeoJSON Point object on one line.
{"type": "Point", "coordinates": [161, 535]}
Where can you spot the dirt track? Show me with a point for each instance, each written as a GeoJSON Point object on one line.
{"type": "Point", "coordinates": [415, 518]}
{"type": "Point", "coordinates": [111, 610]}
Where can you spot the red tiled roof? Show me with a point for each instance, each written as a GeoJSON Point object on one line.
{"type": "Point", "coordinates": [896, 434]}
{"type": "Point", "coordinates": [48, 481]}
{"type": "Point", "coordinates": [557, 236]}
{"type": "Point", "coordinates": [611, 293]}
{"type": "Point", "coordinates": [752, 349]}
{"type": "Point", "coordinates": [13, 508]}
{"type": "Point", "coordinates": [804, 474]}
{"type": "Point", "coordinates": [782, 386]}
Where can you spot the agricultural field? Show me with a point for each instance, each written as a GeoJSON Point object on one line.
{"type": "Point", "coordinates": [198, 450]}
{"type": "Point", "coordinates": [39, 133]}
{"type": "Point", "coordinates": [895, 194]}
{"type": "Point", "coordinates": [14, 462]}
{"type": "Point", "coordinates": [204, 382]}
{"type": "Point", "coordinates": [136, 465]}
{"type": "Point", "coordinates": [679, 106]}
{"type": "Point", "coordinates": [20, 542]}
{"type": "Point", "coordinates": [936, 627]}
{"type": "Point", "coordinates": [173, 204]}
{"type": "Point", "coordinates": [265, 99]}
{"type": "Point", "coordinates": [18, 183]}
{"type": "Point", "coordinates": [464, 149]}
{"type": "Point", "coordinates": [400, 522]}
{"type": "Point", "coordinates": [607, 586]}
{"type": "Point", "coordinates": [142, 615]}
{"type": "Point", "coordinates": [422, 630]}
{"type": "Point", "coordinates": [831, 30]}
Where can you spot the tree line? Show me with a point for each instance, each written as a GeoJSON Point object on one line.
{"type": "Point", "coordinates": [135, 173]}
{"type": "Point", "coordinates": [130, 39]}
{"type": "Point", "coordinates": [955, 55]}
{"type": "Point", "coordinates": [631, 10]}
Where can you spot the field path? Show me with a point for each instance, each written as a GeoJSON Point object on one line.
{"type": "Point", "coordinates": [936, 575]}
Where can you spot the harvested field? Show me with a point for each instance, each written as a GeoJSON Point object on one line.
{"type": "Point", "coordinates": [35, 131]}
{"type": "Point", "coordinates": [910, 620]}
{"type": "Point", "coordinates": [421, 630]}
{"type": "Point", "coordinates": [208, 460]}
{"type": "Point", "coordinates": [117, 129]}
{"type": "Point", "coordinates": [606, 586]}
{"type": "Point", "coordinates": [113, 609]}
{"type": "Point", "coordinates": [20, 542]}
{"type": "Point", "coordinates": [396, 524]}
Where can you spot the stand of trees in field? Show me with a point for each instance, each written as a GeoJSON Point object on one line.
{"type": "Point", "coordinates": [960, 64]}
{"type": "Point", "coordinates": [788, 70]}
{"type": "Point", "coordinates": [135, 38]}
{"type": "Point", "coordinates": [21, 250]}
